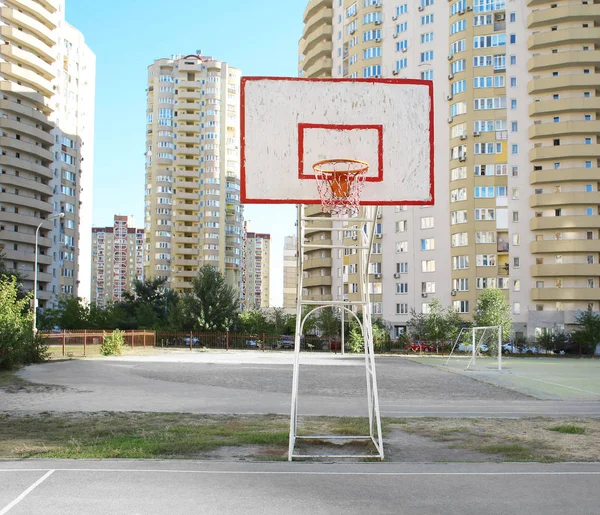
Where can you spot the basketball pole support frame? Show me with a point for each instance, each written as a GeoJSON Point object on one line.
{"type": "Point", "coordinates": [366, 219]}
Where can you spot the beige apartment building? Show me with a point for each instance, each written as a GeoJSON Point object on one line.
{"type": "Point", "coordinates": [290, 274]}
{"type": "Point", "coordinates": [193, 215]}
{"type": "Point", "coordinates": [45, 119]}
{"type": "Point", "coordinates": [258, 266]}
{"type": "Point", "coordinates": [117, 260]}
{"type": "Point", "coordinates": [517, 174]}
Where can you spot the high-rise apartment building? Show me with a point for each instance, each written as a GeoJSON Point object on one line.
{"type": "Point", "coordinates": [46, 114]}
{"type": "Point", "coordinates": [290, 274]}
{"type": "Point", "coordinates": [193, 215]}
{"type": "Point", "coordinates": [516, 157]}
{"type": "Point", "coordinates": [73, 118]}
{"type": "Point", "coordinates": [258, 266]}
{"type": "Point", "coordinates": [117, 260]}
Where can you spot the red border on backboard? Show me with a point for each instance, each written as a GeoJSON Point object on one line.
{"type": "Point", "coordinates": [302, 128]}
{"type": "Point", "coordinates": [417, 82]}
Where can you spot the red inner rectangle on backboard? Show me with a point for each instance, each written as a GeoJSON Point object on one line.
{"type": "Point", "coordinates": [303, 127]}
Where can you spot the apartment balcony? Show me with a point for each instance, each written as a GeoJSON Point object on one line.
{"type": "Point", "coordinates": [188, 140]}
{"type": "Point", "coordinates": [192, 127]}
{"type": "Point", "coordinates": [27, 148]}
{"type": "Point", "coordinates": [195, 174]}
{"type": "Point", "coordinates": [21, 237]}
{"type": "Point", "coordinates": [324, 33]}
{"type": "Point", "coordinates": [185, 262]}
{"type": "Point", "coordinates": [572, 128]}
{"type": "Point", "coordinates": [563, 37]}
{"type": "Point", "coordinates": [569, 13]}
{"type": "Point", "coordinates": [566, 270]}
{"type": "Point", "coordinates": [188, 151]}
{"type": "Point", "coordinates": [564, 222]}
{"type": "Point", "coordinates": [188, 162]}
{"type": "Point", "coordinates": [313, 6]}
{"type": "Point", "coordinates": [186, 240]}
{"type": "Point", "coordinates": [186, 218]}
{"type": "Point", "coordinates": [569, 59]}
{"type": "Point", "coordinates": [29, 112]}
{"type": "Point", "coordinates": [186, 273]}
{"type": "Point", "coordinates": [564, 199]}
{"type": "Point", "coordinates": [27, 257]}
{"type": "Point", "coordinates": [188, 196]}
{"type": "Point", "coordinates": [566, 294]}
{"type": "Point", "coordinates": [564, 105]}
{"type": "Point", "coordinates": [28, 59]}
{"type": "Point", "coordinates": [184, 252]}
{"type": "Point", "coordinates": [564, 151]}
{"type": "Point", "coordinates": [564, 246]}
{"type": "Point", "coordinates": [562, 82]}
{"type": "Point", "coordinates": [189, 106]}
{"type": "Point", "coordinates": [321, 67]}
{"type": "Point", "coordinates": [181, 285]}
{"type": "Point", "coordinates": [21, 200]}
{"type": "Point", "coordinates": [21, 19]}
{"type": "Point", "coordinates": [319, 18]}
{"type": "Point", "coordinates": [26, 184]}
{"type": "Point", "coordinates": [187, 95]}
{"type": "Point", "coordinates": [316, 263]}
{"type": "Point", "coordinates": [194, 185]}
{"type": "Point", "coordinates": [189, 84]}
{"type": "Point", "coordinates": [19, 74]}
{"type": "Point", "coordinates": [553, 175]}
{"type": "Point", "coordinates": [187, 117]}
{"type": "Point", "coordinates": [319, 280]}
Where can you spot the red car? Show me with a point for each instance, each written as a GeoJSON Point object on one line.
{"type": "Point", "coordinates": [422, 347]}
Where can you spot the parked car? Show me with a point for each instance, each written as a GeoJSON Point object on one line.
{"type": "Point", "coordinates": [422, 347]}
{"type": "Point", "coordinates": [286, 342]}
{"type": "Point", "coordinates": [335, 344]}
{"type": "Point", "coordinates": [195, 341]}
{"type": "Point", "coordinates": [253, 344]}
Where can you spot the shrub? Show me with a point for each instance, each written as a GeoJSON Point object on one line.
{"type": "Point", "coordinates": [18, 346]}
{"type": "Point", "coordinates": [112, 344]}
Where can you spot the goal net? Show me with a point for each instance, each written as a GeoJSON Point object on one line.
{"type": "Point", "coordinates": [478, 340]}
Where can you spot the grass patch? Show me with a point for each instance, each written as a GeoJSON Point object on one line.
{"type": "Point", "coordinates": [568, 429]}
{"type": "Point", "coordinates": [510, 451]}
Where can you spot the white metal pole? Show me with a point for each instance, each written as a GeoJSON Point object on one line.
{"type": "Point", "coordinates": [473, 345]}
{"type": "Point", "coordinates": [343, 344]}
{"type": "Point", "coordinates": [35, 273]}
{"type": "Point", "coordinates": [499, 347]}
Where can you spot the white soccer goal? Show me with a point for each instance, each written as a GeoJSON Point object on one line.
{"type": "Point", "coordinates": [479, 336]}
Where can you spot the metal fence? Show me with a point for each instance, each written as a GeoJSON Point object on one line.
{"type": "Point", "coordinates": [88, 342]}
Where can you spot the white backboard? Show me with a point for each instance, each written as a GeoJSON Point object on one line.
{"type": "Point", "coordinates": [289, 124]}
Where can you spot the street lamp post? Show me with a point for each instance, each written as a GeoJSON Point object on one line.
{"type": "Point", "coordinates": [35, 267]}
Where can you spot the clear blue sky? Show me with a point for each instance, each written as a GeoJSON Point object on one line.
{"type": "Point", "coordinates": [260, 37]}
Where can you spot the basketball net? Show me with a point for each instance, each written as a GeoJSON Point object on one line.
{"type": "Point", "coordinates": [340, 183]}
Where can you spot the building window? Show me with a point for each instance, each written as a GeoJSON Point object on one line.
{"type": "Point", "coordinates": [461, 306]}
{"type": "Point", "coordinates": [516, 308]}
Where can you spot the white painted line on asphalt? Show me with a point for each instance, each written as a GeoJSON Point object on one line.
{"type": "Point", "coordinates": [301, 473]}
{"type": "Point", "coordinates": [512, 414]}
{"type": "Point", "coordinates": [26, 492]}
{"type": "Point", "coordinates": [557, 384]}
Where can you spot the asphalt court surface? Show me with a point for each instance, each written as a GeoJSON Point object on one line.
{"type": "Point", "coordinates": [256, 382]}
{"type": "Point", "coordinates": [90, 487]}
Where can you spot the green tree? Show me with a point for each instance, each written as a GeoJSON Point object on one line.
{"type": "Point", "coordinates": [279, 320]}
{"type": "Point", "coordinates": [212, 303]}
{"type": "Point", "coordinates": [12, 272]}
{"type": "Point", "coordinates": [69, 313]}
{"type": "Point", "coordinates": [493, 309]}
{"type": "Point", "coordinates": [417, 325]}
{"type": "Point", "coordinates": [328, 322]}
{"type": "Point", "coordinates": [148, 304]}
{"type": "Point", "coordinates": [254, 321]}
{"type": "Point", "coordinates": [588, 333]}
{"type": "Point", "coordinates": [18, 345]}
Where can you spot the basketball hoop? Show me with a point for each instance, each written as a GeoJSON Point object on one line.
{"type": "Point", "coordinates": [340, 183]}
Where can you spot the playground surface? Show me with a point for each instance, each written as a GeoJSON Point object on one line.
{"type": "Point", "coordinates": [547, 378]}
